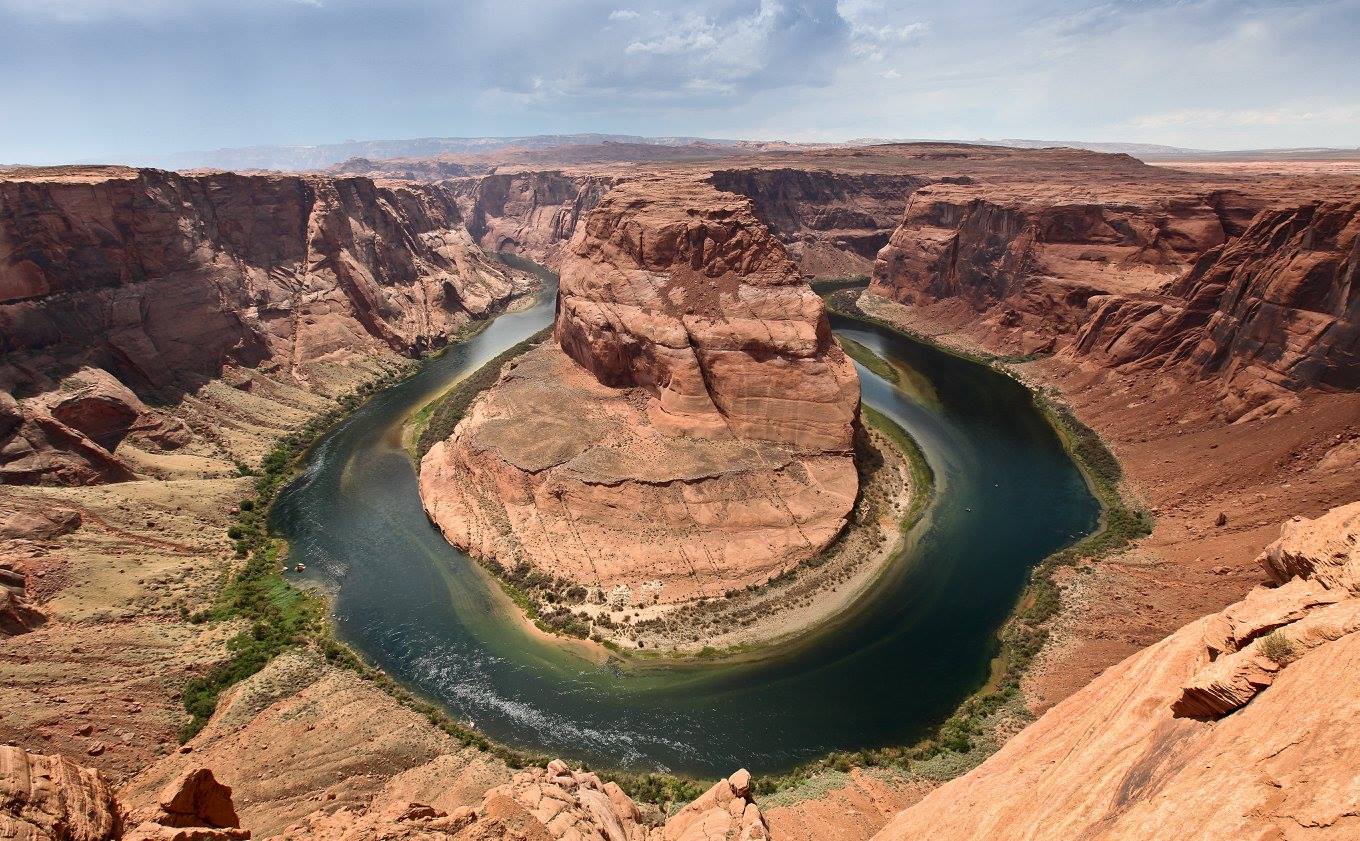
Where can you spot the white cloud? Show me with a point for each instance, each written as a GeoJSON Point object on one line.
{"type": "Point", "coordinates": [693, 33]}
{"type": "Point", "coordinates": [624, 14]}
{"type": "Point", "coordinates": [1281, 116]}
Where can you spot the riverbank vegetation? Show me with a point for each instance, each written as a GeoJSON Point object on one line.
{"type": "Point", "coordinates": [276, 616]}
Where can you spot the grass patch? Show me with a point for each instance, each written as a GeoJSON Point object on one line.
{"type": "Point", "coordinates": [922, 476]}
{"type": "Point", "coordinates": [1277, 647]}
{"type": "Point", "coordinates": [869, 359]}
{"type": "Point", "coordinates": [826, 287]}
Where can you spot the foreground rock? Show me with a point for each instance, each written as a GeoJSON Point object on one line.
{"type": "Point", "coordinates": [50, 798]}
{"type": "Point", "coordinates": [689, 432]}
{"type": "Point", "coordinates": [1237, 726]}
{"type": "Point", "coordinates": [549, 804]}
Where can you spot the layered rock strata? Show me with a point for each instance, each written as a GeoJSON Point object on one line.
{"type": "Point", "coordinates": [690, 429]}
{"type": "Point", "coordinates": [548, 804]}
{"type": "Point", "coordinates": [158, 282]}
{"type": "Point", "coordinates": [528, 213]}
{"type": "Point", "coordinates": [1029, 257]}
{"type": "Point", "coordinates": [833, 223]}
{"type": "Point", "coordinates": [1218, 731]}
{"type": "Point", "coordinates": [1274, 310]}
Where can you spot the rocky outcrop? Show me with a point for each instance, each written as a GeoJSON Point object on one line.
{"type": "Point", "coordinates": [549, 804]}
{"type": "Point", "coordinates": [1274, 310]}
{"type": "Point", "coordinates": [832, 223]}
{"type": "Point", "coordinates": [116, 280]}
{"type": "Point", "coordinates": [689, 433]}
{"type": "Point", "coordinates": [1236, 726]}
{"type": "Point", "coordinates": [50, 798]}
{"type": "Point", "coordinates": [192, 807]}
{"type": "Point", "coordinates": [1029, 257]}
{"type": "Point", "coordinates": [17, 614]}
{"type": "Point", "coordinates": [529, 213]}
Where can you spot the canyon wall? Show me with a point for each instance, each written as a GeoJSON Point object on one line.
{"type": "Point", "coordinates": [1239, 725]}
{"type": "Point", "coordinates": [531, 213]}
{"type": "Point", "coordinates": [1025, 258]}
{"type": "Point", "coordinates": [159, 282]}
{"type": "Point", "coordinates": [832, 223]}
{"type": "Point", "coordinates": [1255, 290]}
{"type": "Point", "coordinates": [689, 431]}
{"type": "Point", "coordinates": [1274, 310]}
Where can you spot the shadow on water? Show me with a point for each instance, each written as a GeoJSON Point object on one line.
{"type": "Point", "coordinates": [885, 673]}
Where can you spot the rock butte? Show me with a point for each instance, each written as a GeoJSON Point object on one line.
{"type": "Point", "coordinates": [688, 431]}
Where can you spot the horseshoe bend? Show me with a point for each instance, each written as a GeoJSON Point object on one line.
{"type": "Point", "coordinates": [795, 481]}
{"type": "Point", "coordinates": [688, 430]}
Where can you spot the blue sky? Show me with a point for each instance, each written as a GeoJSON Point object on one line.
{"type": "Point", "coordinates": [114, 79]}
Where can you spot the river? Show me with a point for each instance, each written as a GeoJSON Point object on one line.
{"type": "Point", "coordinates": [884, 673]}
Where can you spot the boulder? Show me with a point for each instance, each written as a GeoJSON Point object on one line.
{"type": "Point", "coordinates": [50, 798]}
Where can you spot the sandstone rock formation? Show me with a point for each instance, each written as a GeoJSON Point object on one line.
{"type": "Point", "coordinates": [192, 807]}
{"type": "Point", "coordinates": [17, 614]}
{"type": "Point", "coordinates": [528, 213]}
{"type": "Point", "coordinates": [50, 798]}
{"type": "Point", "coordinates": [548, 804]}
{"type": "Point", "coordinates": [155, 282]}
{"type": "Point", "coordinates": [1237, 726]}
{"type": "Point", "coordinates": [691, 434]}
{"type": "Point", "coordinates": [1275, 309]}
{"type": "Point", "coordinates": [833, 223]}
{"type": "Point", "coordinates": [1030, 256]}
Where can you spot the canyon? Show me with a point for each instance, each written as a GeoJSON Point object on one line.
{"type": "Point", "coordinates": [160, 331]}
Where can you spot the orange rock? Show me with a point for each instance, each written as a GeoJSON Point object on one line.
{"type": "Point", "coordinates": [692, 434]}
{"type": "Point", "coordinates": [1115, 761]}
{"type": "Point", "coordinates": [50, 798]}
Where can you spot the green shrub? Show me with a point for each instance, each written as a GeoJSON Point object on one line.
{"type": "Point", "coordinates": [1277, 647]}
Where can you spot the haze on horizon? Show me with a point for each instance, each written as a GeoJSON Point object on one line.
{"type": "Point", "coordinates": [130, 80]}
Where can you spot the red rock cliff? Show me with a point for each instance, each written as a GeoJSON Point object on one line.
{"type": "Point", "coordinates": [163, 279]}
{"type": "Point", "coordinates": [1026, 258]}
{"type": "Point", "coordinates": [1276, 309]}
{"type": "Point", "coordinates": [691, 433]}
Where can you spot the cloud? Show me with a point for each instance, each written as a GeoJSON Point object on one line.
{"type": "Point", "coordinates": [1280, 116]}
{"type": "Point", "coordinates": [93, 77]}
{"type": "Point", "coordinates": [691, 34]}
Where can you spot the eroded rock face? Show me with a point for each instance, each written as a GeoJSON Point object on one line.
{"type": "Point", "coordinates": [154, 282]}
{"type": "Point", "coordinates": [528, 213]}
{"type": "Point", "coordinates": [1236, 726]}
{"type": "Point", "coordinates": [548, 804]}
{"type": "Point", "coordinates": [1274, 310]}
{"type": "Point", "coordinates": [691, 434]}
{"type": "Point", "coordinates": [1028, 257]}
{"type": "Point", "coordinates": [679, 290]}
{"type": "Point", "coordinates": [832, 223]}
{"type": "Point", "coordinates": [50, 798]}
{"type": "Point", "coordinates": [192, 807]}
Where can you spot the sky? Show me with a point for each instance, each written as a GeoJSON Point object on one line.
{"type": "Point", "coordinates": [118, 79]}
